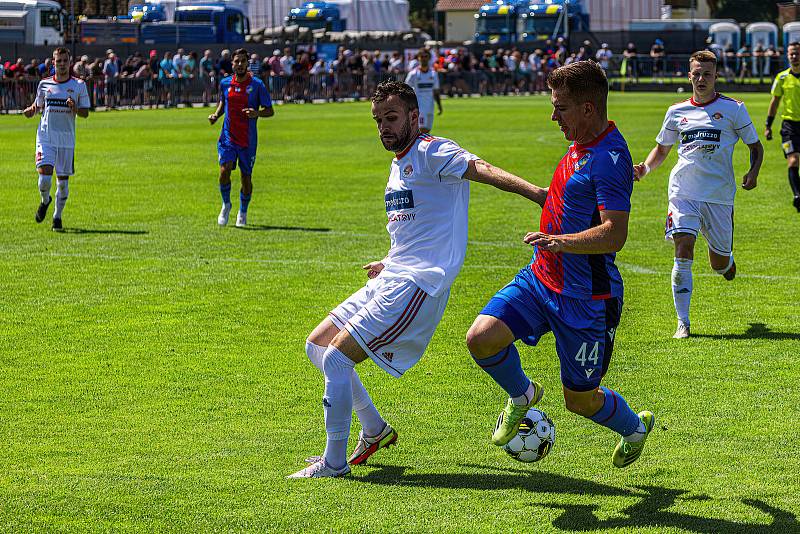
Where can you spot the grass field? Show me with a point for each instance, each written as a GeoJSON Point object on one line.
{"type": "Point", "coordinates": [152, 373]}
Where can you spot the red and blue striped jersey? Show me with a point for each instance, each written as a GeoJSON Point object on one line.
{"type": "Point", "coordinates": [237, 129]}
{"type": "Point", "coordinates": [589, 179]}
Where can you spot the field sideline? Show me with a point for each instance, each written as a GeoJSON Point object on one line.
{"type": "Point", "coordinates": [152, 373]}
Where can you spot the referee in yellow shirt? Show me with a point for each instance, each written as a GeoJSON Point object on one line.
{"type": "Point", "coordinates": [787, 87]}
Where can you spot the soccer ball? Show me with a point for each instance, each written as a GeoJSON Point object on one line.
{"type": "Point", "coordinates": [536, 436]}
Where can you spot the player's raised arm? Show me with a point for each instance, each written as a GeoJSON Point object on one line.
{"type": "Point", "coordinates": [485, 173]}
{"type": "Point", "coordinates": [606, 238]}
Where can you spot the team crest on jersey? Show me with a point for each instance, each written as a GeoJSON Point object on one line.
{"type": "Point", "coordinates": [408, 170]}
{"type": "Point", "coordinates": [716, 116]}
{"type": "Point", "coordinates": [581, 162]}
{"type": "Point", "coordinates": [249, 89]}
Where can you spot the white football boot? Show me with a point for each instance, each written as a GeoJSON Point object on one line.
{"type": "Point", "coordinates": [241, 219]}
{"type": "Point", "coordinates": [682, 332]}
{"type": "Point", "coordinates": [321, 470]}
{"type": "Point", "coordinates": [224, 213]}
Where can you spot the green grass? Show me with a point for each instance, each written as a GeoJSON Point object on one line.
{"type": "Point", "coordinates": [152, 374]}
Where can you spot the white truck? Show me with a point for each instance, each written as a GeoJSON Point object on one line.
{"type": "Point", "coordinates": [35, 22]}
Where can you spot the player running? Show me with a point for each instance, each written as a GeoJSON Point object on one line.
{"type": "Point", "coordinates": [392, 318]}
{"type": "Point", "coordinates": [702, 184]}
{"type": "Point", "coordinates": [572, 286]}
{"type": "Point", "coordinates": [242, 99]}
{"type": "Point", "coordinates": [787, 87]}
{"type": "Point", "coordinates": [59, 98]}
{"type": "Point", "coordinates": [425, 82]}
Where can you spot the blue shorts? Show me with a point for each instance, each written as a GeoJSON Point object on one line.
{"type": "Point", "coordinates": [584, 329]}
{"type": "Point", "coordinates": [244, 156]}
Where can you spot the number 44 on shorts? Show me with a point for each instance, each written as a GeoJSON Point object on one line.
{"type": "Point", "coordinates": [592, 357]}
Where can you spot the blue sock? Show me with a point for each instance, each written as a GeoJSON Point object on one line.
{"type": "Point", "coordinates": [506, 369]}
{"type": "Point", "coordinates": [244, 201]}
{"type": "Point", "coordinates": [225, 191]}
{"type": "Point", "coordinates": [616, 414]}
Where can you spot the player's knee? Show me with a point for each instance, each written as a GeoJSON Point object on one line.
{"type": "Point", "coordinates": [47, 170]}
{"type": "Point", "coordinates": [584, 405]}
{"type": "Point", "coordinates": [481, 343]}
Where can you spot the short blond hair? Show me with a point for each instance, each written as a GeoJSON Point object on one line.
{"type": "Point", "coordinates": [704, 56]}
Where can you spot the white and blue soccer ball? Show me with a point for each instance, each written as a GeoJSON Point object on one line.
{"type": "Point", "coordinates": [536, 436]}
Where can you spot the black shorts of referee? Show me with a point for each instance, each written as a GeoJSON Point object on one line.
{"type": "Point", "coordinates": [790, 137]}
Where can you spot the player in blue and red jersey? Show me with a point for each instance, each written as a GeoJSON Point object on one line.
{"type": "Point", "coordinates": [571, 287]}
{"type": "Point", "coordinates": [242, 99]}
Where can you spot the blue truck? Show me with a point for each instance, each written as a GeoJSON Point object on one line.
{"type": "Point", "coordinates": [192, 24]}
{"type": "Point", "coordinates": [545, 19]}
{"type": "Point", "coordinates": [511, 21]}
{"type": "Point", "coordinates": [317, 16]}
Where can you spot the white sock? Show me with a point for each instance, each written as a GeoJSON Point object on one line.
{"type": "Point", "coordinates": [638, 435]}
{"type": "Point", "coordinates": [62, 192]}
{"type": "Point", "coordinates": [45, 182]}
{"type": "Point", "coordinates": [338, 404]}
{"type": "Point", "coordinates": [525, 398]}
{"type": "Point", "coordinates": [371, 421]}
{"type": "Point", "coordinates": [682, 288]}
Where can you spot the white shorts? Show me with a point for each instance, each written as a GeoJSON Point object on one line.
{"type": "Point", "coordinates": [392, 319]}
{"type": "Point", "coordinates": [426, 120]}
{"type": "Point", "coordinates": [714, 221]}
{"type": "Point", "coordinates": [62, 159]}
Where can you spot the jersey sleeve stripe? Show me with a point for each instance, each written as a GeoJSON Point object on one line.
{"type": "Point", "coordinates": [446, 164]}
{"type": "Point", "coordinates": [743, 127]}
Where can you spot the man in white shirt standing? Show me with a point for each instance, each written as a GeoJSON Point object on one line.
{"type": "Point", "coordinates": [392, 318]}
{"type": "Point", "coordinates": [702, 184]}
{"type": "Point", "coordinates": [425, 82]}
{"type": "Point", "coordinates": [59, 98]}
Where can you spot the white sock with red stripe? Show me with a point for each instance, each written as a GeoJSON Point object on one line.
{"type": "Point", "coordinates": [338, 404]}
{"type": "Point", "coordinates": [371, 421]}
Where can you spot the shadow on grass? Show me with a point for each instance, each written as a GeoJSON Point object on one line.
{"type": "Point", "coordinates": [755, 331]}
{"type": "Point", "coordinates": [651, 510]}
{"type": "Point", "coordinates": [109, 231]}
{"type": "Point", "coordinates": [263, 227]}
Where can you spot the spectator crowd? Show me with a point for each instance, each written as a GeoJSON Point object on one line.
{"type": "Point", "coordinates": [181, 77]}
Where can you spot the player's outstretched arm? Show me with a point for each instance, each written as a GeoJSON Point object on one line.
{"type": "Point", "coordinates": [750, 179]}
{"type": "Point", "coordinates": [606, 238]}
{"type": "Point", "coordinates": [485, 173]}
{"type": "Point", "coordinates": [654, 160]}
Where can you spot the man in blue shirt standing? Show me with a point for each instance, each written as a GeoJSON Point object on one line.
{"type": "Point", "coordinates": [572, 286]}
{"type": "Point", "coordinates": [242, 99]}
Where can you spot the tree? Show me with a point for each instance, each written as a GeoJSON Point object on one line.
{"type": "Point", "coordinates": [745, 10]}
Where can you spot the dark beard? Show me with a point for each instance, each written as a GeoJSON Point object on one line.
{"type": "Point", "coordinates": [405, 138]}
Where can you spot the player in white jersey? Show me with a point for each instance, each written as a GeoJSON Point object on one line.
{"type": "Point", "coordinates": [702, 184]}
{"type": "Point", "coordinates": [425, 82]}
{"type": "Point", "coordinates": [59, 98]}
{"type": "Point", "coordinates": [392, 318]}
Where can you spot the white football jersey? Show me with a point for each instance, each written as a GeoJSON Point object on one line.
{"type": "Point", "coordinates": [426, 204]}
{"type": "Point", "coordinates": [423, 83]}
{"type": "Point", "coordinates": [707, 135]}
{"type": "Point", "coordinates": [57, 125]}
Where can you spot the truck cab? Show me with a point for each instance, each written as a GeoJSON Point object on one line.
{"type": "Point", "coordinates": [545, 19]}
{"type": "Point", "coordinates": [316, 16]}
{"type": "Point", "coordinates": [147, 12]}
{"type": "Point", "coordinates": [496, 22]}
{"type": "Point", "coordinates": [36, 22]}
{"type": "Point", "coordinates": [211, 23]}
